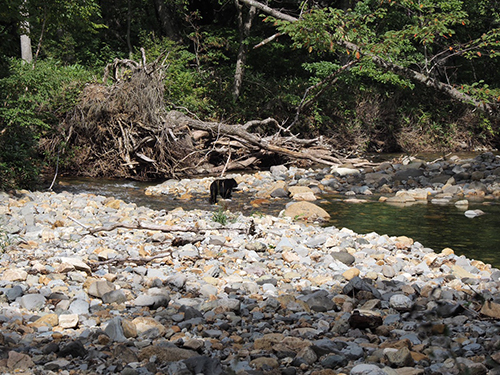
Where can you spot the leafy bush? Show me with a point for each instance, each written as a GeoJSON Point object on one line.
{"type": "Point", "coordinates": [33, 103]}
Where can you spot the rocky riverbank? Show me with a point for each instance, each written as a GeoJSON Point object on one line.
{"type": "Point", "coordinates": [93, 285]}
{"type": "Point", "coordinates": [401, 182]}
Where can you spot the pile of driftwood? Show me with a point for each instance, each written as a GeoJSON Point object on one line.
{"type": "Point", "coordinates": [123, 130]}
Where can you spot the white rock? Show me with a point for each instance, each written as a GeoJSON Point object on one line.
{"type": "Point", "coordinates": [401, 302]}
{"type": "Point", "coordinates": [473, 213]}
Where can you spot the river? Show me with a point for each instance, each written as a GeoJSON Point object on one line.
{"type": "Point", "coordinates": [434, 226]}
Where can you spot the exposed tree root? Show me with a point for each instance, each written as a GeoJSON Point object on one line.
{"type": "Point", "coordinates": [124, 131]}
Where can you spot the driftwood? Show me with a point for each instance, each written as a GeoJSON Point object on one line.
{"type": "Point", "coordinates": [178, 241]}
{"type": "Point", "coordinates": [124, 131]}
{"type": "Point", "coordinates": [155, 227]}
{"type": "Point", "coordinates": [139, 261]}
{"type": "Point", "coordinates": [290, 146]}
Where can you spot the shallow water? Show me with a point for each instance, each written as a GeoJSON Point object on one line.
{"type": "Point", "coordinates": [434, 226]}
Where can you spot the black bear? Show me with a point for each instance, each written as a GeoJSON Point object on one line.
{"type": "Point", "coordinates": [223, 187]}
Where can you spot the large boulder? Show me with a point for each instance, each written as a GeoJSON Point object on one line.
{"type": "Point", "coordinates": [306, 211]}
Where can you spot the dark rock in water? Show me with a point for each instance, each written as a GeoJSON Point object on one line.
{"type": "Point", "coordinates": [439, 179]}
{"type": "Point", "coordinates": [279, 193]}
{"type": "Point", "coordinates": [408, 173]}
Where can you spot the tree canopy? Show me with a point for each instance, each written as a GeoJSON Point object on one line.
{"type": "Point", "coordinates": [367, 75]}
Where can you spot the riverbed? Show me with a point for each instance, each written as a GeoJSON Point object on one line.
{"type": "Point", "coordinates": [434, 226]}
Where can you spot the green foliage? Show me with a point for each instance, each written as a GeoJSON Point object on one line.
{"type": "Point", "coordinates": [65, 29]}
{"type": "Point", "coordinates": [186, 83]}
{"type": "Point", "coordinates": [220, 217]}
{"type": "Point", "coordinates": [5, 240]}
{"type": "Point", "coordinates": [19, 166]}
{"type": "Point", "coordinates": [223, 216]}
{"type": "Point", "coordinates": [33, 103]}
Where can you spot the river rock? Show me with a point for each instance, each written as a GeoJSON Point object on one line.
{"type": "Point", "coordinates": [79, 264]}
{"type": "Point", "coordinates": [473, 213]}
{"type": "Point", "coordinates": [100, 287]}
{"type": "Point", "coordinates": [276, 298]}
{"type": "Point", "coordinates": [401, 197]}
{"type": "Point", "coordinates": [14, 275]}
{"type": "Point", "coordinates": [114, 330]}
{"type": "Point", "coordinates": [401, 302]}
{"type": "Point", "coordinates": [166, 354]}
{"type": "Point", "coordinates": [306, 211]}
{"type": "Point", "coordinates": [367, 369]}
{"type": "Point", "coordinates": [33, 302]}
{"type": "Point", "coordinates": [68, 320]}
{"type": "Point", "coordinates": [301, 193]}
{"type": "Point", "coordinates": [145, 324]}
{"type": "Point", "coordinates": [18, 362]}
{"type": "Point", "coordinates": [344, 171]}
{"type": "Point", "coordinates": [154, 301]}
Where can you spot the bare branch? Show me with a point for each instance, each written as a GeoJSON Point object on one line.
{"type": "Point", "coordinates": [267, 40]}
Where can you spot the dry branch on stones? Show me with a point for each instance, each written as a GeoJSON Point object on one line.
{"type": "Point", "coordinates": [158, 227]}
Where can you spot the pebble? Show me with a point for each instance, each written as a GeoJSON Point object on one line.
{"type": "Point", "coordinates": [289, 297]}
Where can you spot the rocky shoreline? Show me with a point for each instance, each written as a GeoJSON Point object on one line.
{"type": "Point", "coordinates": [93, 285]}
{"type": "Point", "coordinates": [400, 182]}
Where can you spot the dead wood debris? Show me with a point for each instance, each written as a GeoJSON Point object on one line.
{"type": "Point", "coordinates": [154, 227]}
{"type": "Point", "coordinates": [124, 131]}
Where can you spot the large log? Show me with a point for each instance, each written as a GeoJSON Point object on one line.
{"type": "Point", "coordinates": [275, 144]}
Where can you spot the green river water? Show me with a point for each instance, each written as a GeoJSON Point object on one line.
{"type": "Point", "coordinates": [434, 226]}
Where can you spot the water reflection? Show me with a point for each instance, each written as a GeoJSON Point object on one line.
{"type": "Point", "coordinates": [434, 226]}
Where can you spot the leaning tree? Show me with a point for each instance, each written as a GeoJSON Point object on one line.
{"type": "Point", "coordinates": [427, 42]}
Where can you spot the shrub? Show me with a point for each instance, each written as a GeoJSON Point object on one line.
{"type": "Point", "coordinates": [34, 101]}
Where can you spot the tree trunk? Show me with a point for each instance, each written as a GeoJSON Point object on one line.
{"type": "Point", "coordinates": [244, 26]}
{"type": "Point", "coordinates": [166, 20]}
{"type": "Point", "coordinates": [455, 94]}
{"type": "Point", "coordinates": [26, 52]}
